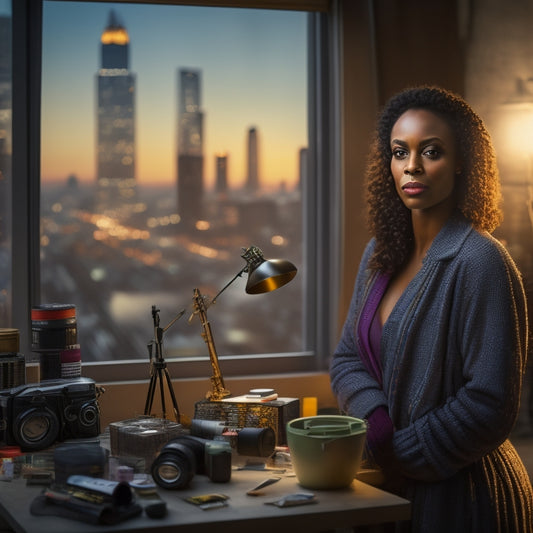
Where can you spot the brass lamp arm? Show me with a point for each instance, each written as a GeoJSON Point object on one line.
{"type": "Point", "coordinates": [219, 390]}
{"type": "Point", "coordinates": [238, 275]}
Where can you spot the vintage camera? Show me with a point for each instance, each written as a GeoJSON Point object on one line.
{"type": "Point", "coordinates": [34, 416]}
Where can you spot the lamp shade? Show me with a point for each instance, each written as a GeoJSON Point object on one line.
{"type": "Point", "coordinates": [269, 276]}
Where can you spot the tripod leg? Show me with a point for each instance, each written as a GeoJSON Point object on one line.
{"type": "Point", "coordinates": [173, 396]}
{"type": "Point", "coordinates": [161, 389]}
{"type": "Point", "coordinates": [150, 395]}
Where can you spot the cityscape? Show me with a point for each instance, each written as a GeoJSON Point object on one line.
{"type": "Point", "coordinates": [117, 248]}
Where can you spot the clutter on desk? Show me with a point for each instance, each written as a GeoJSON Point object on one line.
{"type": "Point", "coordinates": [147, 496]}
{"type": "Point", "coordinates": [209, 501]}
{"type": "Point", "coordinates": [292, 500]}
{"type": "Point", "coordinates": [142, 437]}
{"type": "Point", "coordinates": [88, 459]}
{"type": "Point", "coordinates": [55, 340]}
{"type": "Point", "coordinates": [37, 415]}
{"type": "Point", "coordinates": [88, 499]}
{"type": "Point", "coordinates": [251, 441]}
{"type": "Point", "coordinates": [12, 363]}
{"type": "Point", "coordinates": [251, 412]}
{"type": "Point", "coordinates": [12, 369]}
{"type": "Point", "coordinates": [7, 463]}
{"type": "Point", "coordinates": [62, 405]}
{"type": "Point", "coordinates": [258, 489]}
{"type": "Point", "coordinates": [209, 449]}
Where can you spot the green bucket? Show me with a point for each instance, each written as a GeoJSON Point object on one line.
{"type": "Point", "coordinates": [326, 450]}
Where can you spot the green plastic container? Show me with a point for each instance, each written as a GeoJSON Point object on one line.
{"type": "Point", "coordinates": [326, 450]}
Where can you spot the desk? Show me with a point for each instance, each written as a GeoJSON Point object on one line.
{"type": "Point", "coordinates": [358, 505]}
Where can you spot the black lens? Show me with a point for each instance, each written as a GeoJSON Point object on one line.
{"type": "Point", "coordinates": [174, 467]}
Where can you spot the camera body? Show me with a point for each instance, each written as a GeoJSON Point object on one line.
{"type": "Point", "coordinates": [34, 416]}
{"type": "Point", "coordinates": [208, 450]}
{"type": "Point", "coordinates": [183, 457]}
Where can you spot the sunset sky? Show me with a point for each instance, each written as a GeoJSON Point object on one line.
{"type": "Point", "coordinates": [254, 74]}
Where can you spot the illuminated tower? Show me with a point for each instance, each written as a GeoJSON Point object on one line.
{"type": "Point", "coordinates": [190, 148]}
{"type": "Point", "coordinates": [115, 121]}
{"type": "Point", "coordinates": [252, 178]}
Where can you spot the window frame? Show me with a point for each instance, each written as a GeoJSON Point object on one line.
{"type": "Point", "coordinates": [322, 200]}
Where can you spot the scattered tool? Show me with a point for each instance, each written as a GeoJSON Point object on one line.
{"type": "Point", "coordinates": [256, 491]}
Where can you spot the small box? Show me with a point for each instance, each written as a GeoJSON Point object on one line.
{"type": "Point", "coordinates": [142, 437]}
{"type": "Point", "coordinates": [252, 414]}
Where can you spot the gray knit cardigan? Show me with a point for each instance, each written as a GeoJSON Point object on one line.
{"type": "Point", "coordinates": [453, 353]}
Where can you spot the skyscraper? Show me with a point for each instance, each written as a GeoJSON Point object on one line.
{"type": "Point", "coordinates": [190, 148]}
{"type": "Point", "coordinates": [221, 169]}
{"type": "Point", "coordinates": [252, 178]}
{"type": "Point", "coordinates": [115, 121]}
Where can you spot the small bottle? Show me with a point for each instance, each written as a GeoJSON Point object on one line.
{"type": "Point", "coordinates": [8, 457]}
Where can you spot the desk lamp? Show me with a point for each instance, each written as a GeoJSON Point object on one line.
{"type": "Point", "coordinates": [263, 276]}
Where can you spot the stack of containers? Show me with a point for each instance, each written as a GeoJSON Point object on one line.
{"type": "Point", "coordinates": [55, 340]}
{"type": "Point", "coordinates": [12, 363]}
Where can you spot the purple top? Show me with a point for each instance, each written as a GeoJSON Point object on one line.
{"type": "Point", "coordinates": [369, 329]}
{"type": "Point", "coordinates": [380, 427]}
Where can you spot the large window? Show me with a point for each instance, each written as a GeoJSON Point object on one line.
{"type": "Point", "coordinates": [172, 137]}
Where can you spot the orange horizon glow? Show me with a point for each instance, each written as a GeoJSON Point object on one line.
{"type": "Point", "coordinates": [155, 161]}
{"type": "Point", "coordinates": [253, 79]}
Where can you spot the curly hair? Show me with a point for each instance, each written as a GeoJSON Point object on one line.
{"type": "Point", "coordinates": [477, 186]}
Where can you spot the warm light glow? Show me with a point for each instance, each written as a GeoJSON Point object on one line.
{"type": "Point", "coordinates": [517, 127]}
{"type": "Point", "coordinates": [115, 36]}
{"type": "Point", "coordinates": [202, 250]}
{"type": "Point", "coordinates": [202, 225]}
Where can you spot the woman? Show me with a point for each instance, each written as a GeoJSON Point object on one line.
{"type": "Point", "coordinates": [434, 346]}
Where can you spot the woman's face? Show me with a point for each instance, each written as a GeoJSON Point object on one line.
{"type": "Point", "coordinates": [424, 161]}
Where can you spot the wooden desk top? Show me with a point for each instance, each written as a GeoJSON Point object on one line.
{"type": "Point", "coordinates": [360, 504]}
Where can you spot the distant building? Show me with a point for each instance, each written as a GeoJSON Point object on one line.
{"type": "Point", "coordinates": [303, 166]}
{"type": "Point", "coordinates": [252, 178]}
{"type": "Point", "coordinates": [190, 148]}
{"type": "Point", "coordinates": [221, 169]}
{"type": "Point", "coordinates": [115, 121]}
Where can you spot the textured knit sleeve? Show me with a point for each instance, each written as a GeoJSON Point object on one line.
{"type": "Point", "coordinates": [490, 319]}
{"type": "Point", "coordinates": [358, 394]}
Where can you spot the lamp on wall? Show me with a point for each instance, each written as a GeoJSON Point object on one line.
{"type": "Point", "coordinates": [263, 276]}
{"type": "Point", "coordinates": [515, 129]}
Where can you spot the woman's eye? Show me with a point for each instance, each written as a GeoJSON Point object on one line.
{"type": "Point", "coordinates": [432, 153]}
{"type": "Point", "coordinates": [399, 153]}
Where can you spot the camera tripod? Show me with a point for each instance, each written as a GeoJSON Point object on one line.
{"type": "Point", "coordinates": [159, 370]}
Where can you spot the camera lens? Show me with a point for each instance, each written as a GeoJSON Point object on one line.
{"type": "Point", "coordinates": [172, 472]}
{"type": "Point", "coordinates": [174, 467]}
{"type": "Point", "coordinates": [257, 442]}
{"type": "Point", "coordinates": [36, 428]}
{"type": "Point", "coordinates": [89, 414]}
